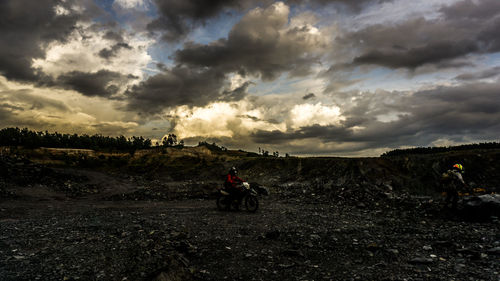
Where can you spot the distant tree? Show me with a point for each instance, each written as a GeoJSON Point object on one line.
{"type": "Point", "coordinates": [169, 140]}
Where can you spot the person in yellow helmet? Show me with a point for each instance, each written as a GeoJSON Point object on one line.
{"type": "Point", "coordinates": [453, 182]}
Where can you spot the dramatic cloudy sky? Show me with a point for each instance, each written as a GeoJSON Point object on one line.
{"type": "Point", "coordinates": [317, 77]}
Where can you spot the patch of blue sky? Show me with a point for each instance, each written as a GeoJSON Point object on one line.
{"type": "Point", "coordinates": [162, 52]}
{"type": "Point", "coordinates": [398, 80]}
{"type": "Point", "coordinates": [212, 30]}
{"type": "Point", "coordinates": [326, 16]}
{"type": "Point", "coordinates": [107, 5]}
{"type": "Point", "coordinates": [125, 16]}
{"type": "Point", "coordinates": [151, 9]}
{"type": "Point", "coordinates": [397, 11]}
{"type": "Point", "coordinates": [215, 28]}
{"type": "Point", "coordinates": [263, 88]}
{"type": "Point", "coordinates": [492, 60]}
{"type": "Point", "coordinates": [282, 86]}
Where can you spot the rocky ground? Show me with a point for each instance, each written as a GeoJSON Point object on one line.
{"type": "Point", "coordinates": [70, 224]}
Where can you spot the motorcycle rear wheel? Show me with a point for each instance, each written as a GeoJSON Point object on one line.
{"type": "Point", "coordinates": [251, 203]}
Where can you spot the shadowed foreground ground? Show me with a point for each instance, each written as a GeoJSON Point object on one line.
{"type": "Point", "coordinates": [287, 239]}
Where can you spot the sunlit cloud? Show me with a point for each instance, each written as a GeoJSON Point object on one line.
{"type": "Point", "coordinates": [303, 115]}
{"type": "Point", "coordinates": [308, 78]}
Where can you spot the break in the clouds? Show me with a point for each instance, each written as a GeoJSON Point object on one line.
{"type": "Point", "coordinates": [305, 77]}
{"type": "Point", "coordinates": [177, 18]}
{"type": "Point", "coordinates": [265, 42]}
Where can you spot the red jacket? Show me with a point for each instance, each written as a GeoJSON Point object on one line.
{"type": "Point", "coordinates": [232, 181]}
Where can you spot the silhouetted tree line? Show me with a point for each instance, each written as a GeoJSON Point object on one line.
{"type": "Point", "coordinates": [431, 150]}
{"type": "Point", "coordinates": [33, 139]}
{"type": "Point", "coordinates": [266, 153]}
{"type": "Point", "coordinates": [171, 140]}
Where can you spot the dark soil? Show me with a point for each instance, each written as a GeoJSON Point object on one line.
{"type": "Point", "coordinates": [75, 224]}
{"type": "Point", "coordinates": [284, 240]}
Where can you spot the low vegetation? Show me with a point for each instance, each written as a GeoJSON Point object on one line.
{"type": "Point", "coordinates": [433, 150]}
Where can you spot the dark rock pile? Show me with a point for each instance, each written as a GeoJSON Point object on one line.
{"type": "Point", "coordinates": [482, 207]}
{"type": "Point", "coordinates": [17, 173]}
{"type": "Point", "coordinates": [93, 245]}
{"type": "Point", "coordinates": [20, 170]}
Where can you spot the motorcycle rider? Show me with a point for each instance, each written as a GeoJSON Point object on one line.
{"type": "Point", "coordinates": [233, 183]}
{"type": "Point", "coordinates": [453, 182]}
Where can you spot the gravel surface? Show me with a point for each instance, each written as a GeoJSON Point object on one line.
{"type": "Point", "coordinates": [287, 239]}
{"type": "Point", "coordinates": [69, 223]}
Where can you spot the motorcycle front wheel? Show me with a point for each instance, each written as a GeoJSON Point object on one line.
{"type": "Point", "coordinates": [251, 203]}
{"type": "Point", "coordinates": [223, 203]}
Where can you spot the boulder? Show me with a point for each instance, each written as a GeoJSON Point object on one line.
{"type": "Point", "coordinates": [482, 207]}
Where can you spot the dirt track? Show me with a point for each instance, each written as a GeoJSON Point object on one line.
{"type": "Point", "coordinates": [285, 240]}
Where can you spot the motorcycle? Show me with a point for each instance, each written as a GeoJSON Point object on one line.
{"type": "Point", "coordinates": [248, 196]}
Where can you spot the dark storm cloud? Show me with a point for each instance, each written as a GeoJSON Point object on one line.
{"type": "Point", "coordinates": [257, 45]}
{"type": "Point", "coordinates": [354, 6]}
{"type": "Point", "coordinates": [418, 56]}
{"type": "Point", "coordinates": [467, 111]}
{"type": "Point", "coordinates": [111, 52]}
{"type": "Point", "coordinates": [488, 73]}
{"type": "Point", "coordinates": [309, 96]}
{"type": "Point", "coordinates": [472, 9]}
{"type": "Point", "coordinates": [464, 113]}
{"type": "Point", "coordinates": [112, 35]}
{"type": "Point", "coordinates": [325, 133]}
{"type": "Point", "coordinates": [25, 27]}
{"type": "Point", "coordinates": [463, 28]}
{"type": "Point", "coordinates": [179, 17]}
{"type": "Point", "coordinates": [253, 47]}
{"type": "Point", "coordinates": [176, 86]}
{"type": "Point", "coordinates": [253, 118]}
{"type": "Point", "coordinates": [237, 94]}
{"type": "Point", "coordinates": [91, 84]}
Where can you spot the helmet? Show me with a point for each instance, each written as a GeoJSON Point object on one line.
{"type": "Point", "coordinates": [233, 171]}
{"type": "Point", "coordinates": [458, 167]}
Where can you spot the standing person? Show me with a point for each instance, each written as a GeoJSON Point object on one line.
{"type": "Point", "coordinates": [453, 182]}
